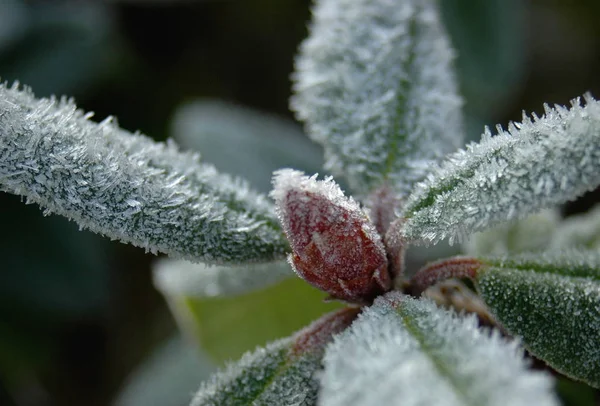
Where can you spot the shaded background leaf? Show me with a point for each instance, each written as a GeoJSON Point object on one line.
{"type": "Point", "coordinates": [245, 142]}
{"type": "Point", "coordinates": [226, 327]}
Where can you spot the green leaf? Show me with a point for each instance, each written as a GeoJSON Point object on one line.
{"type": "Point", "coordinates": [375, 86]}
{"type": "Point", "coordinates": [536, 164]}
{"type": "Point", "coordinates": [226, 327]}
{"type": "Point", "coordinates": [283, 373]}
{"type": "Point", "coordinates": [244, 142]}
{"type": "Point", "coordinates": [404, 351]}
{"type": "Point", "coordinates": [553, 303]}
{"type": "Point", "coordinates": [128, 187]}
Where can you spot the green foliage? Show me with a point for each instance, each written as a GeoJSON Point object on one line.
{"type": "Point", "coordinates": [226, 327]}
{"type": "Point", "coordinates": [375, 87]}
{"type": "Point", "coordinates": [553, 303]}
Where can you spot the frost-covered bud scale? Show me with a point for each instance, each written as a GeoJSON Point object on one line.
{"type": "Point", "coordinates": [335, 247]}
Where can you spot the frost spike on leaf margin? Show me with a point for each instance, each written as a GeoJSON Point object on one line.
{"type": "Point", "coordinates": [551, 301]}
{"type": "Point", "coordinates": [375, 86]}
{"type": "Point", "coordinates": [535, 164]}
{"type": "Point", "coordinates": [406, 351]}
{"type": "Point", "coordinates": [127, 186]}
{"type": "Point", "coordinates": [335, 247]}
{"type": "Point", "coordinates": [177, 277]}
{"type": "Point", "coordinates": [283, 373]}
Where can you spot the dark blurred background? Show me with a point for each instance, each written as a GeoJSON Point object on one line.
{"type": "Point", "coordinates": [79, 312]}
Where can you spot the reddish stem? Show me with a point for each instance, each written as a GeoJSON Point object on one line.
{"type": "Point", "coordinates": [314, 337]}
{"type": "Point", "coordinates": [457, 267]}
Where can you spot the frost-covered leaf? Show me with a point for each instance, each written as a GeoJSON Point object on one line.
{"type": "Point", "coordinates": [536, 164]}
{"type": "Point", "coordinates": [551, 301]}
{"type": "Point", "coordinates": [180, 277]}
{"type": "Point", "coordinates": [128, 187]}
{"type": "Point", "coordinates": [283, 373]}
{"type": "Point", "coordinates": [374, 85]}
{"type": "Point", "coordinates": [531, 234]}
{"type": "Point", "coordinates": [580, 231]}
{"type": "Point", "coordinates": [226, 327]}
{"type": "Point", "coordinates": [404, 351]}
{"type": "Point", "coordinates": [335, 247]}
{"type": "Point", "coordinates": [244, 142]}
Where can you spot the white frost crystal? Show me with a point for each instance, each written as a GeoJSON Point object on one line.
{"type": "Point", "coordinates": [374, 85]}
{"type": "Point", "coordinates": [127, 186]}
{"type": "Point", "coordinates": [535, 164]}
{"type": "Point", "coordinates": [405, 352]}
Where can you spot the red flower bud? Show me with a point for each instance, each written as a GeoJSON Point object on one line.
{"type": "Point", "coordinates": [335, 246]}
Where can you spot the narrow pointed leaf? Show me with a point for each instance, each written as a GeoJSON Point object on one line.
{"type": "Point", "coordinates": [404, 351]}
{"type": "Point", "coordinates": [128, 187]}
{"type": "Point", "coordinates": [228, 318]}
{"type": "Point", "coordinates": [535, 164]}
{"type": "Point", "coordinates": [374, 85]}
{"type": "Point", "coordinates": [551, 301]}
{"type": "Point", "coordinates": [284, 373]}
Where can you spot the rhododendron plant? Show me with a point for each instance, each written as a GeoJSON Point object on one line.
{"type": "Point", "coordinates": [374, 85]}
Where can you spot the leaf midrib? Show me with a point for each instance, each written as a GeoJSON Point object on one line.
{"type": "Point", "coordinates": [441, 367]}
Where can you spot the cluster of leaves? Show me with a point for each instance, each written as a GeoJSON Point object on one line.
{"type": "Point", "coordinates": [374, 85]}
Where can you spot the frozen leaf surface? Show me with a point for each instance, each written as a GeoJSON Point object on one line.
{"type": "Point", "coordinates": [128, 187]}
{"type": "Point", "coordinates": [403, 351]}
{"type": "Point", "coordinates": [335, 247]}
{"type": "Point", "coordinates": [535, 164]}
{"type": "Point", "coordinates": [375, 86]}
{"type": "Point", "coordinates": [553, 303]}
{"type": "Point", "coordinates": [283, 373]}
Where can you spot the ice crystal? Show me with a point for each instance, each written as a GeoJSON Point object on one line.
{"type": "Point", "coordinates": [535, 164]}
{"type": "Point", "coordinates": [335, 247]}
{"type": "Point", "coordinates": [178, 277]}
{"type": "Point", "coordinates": [374, 85]}
{"type": "Point", "coordinates": [403, 351]}
{"type": "Point", "coordinates": [128, 187]}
